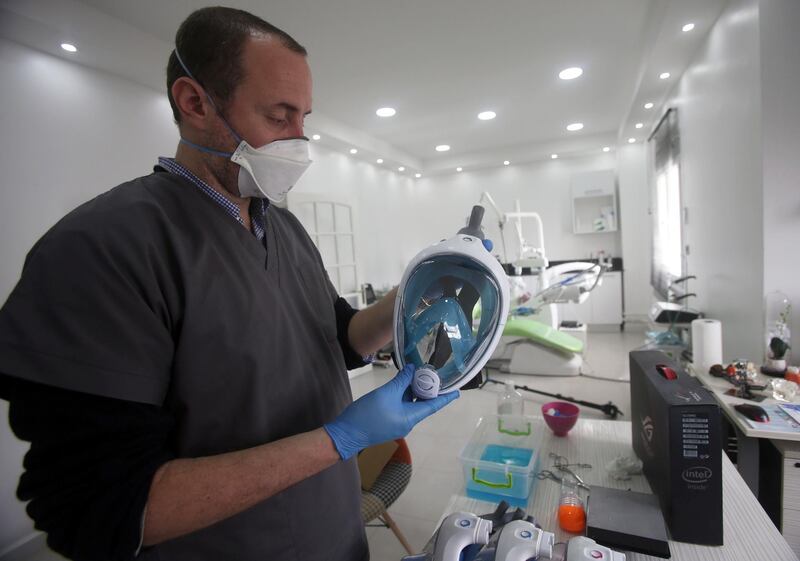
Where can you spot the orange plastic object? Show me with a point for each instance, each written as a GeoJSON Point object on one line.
{"type": "Point", "coordinates": [572, 518]}
{"type": "Point", "coordinates": [793, 377]}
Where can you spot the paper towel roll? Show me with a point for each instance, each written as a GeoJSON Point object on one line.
{"type": "Point", "coordinates": [706, 344]}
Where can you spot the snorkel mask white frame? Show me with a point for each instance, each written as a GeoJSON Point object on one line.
{"type": "Point", "coordinates": [467, 247]}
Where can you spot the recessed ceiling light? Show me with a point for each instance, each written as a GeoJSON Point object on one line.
{"type": "Point", "coordinates": [401, 168]}
{"type": "Point", "coordinates": [570, 73]}
{"type": "Point", "coordinates": [648, 105]}
{"type": "Point", "coordinates": [506, 163]}
{"type": "Point", "coordinates": [639, 125]}
{"type": "Point", "coordinates": [553, 156]}
{"type": "Point", "coordinates": [69, 47]}
{"type": "Point", "coordinates": [572, 127]}
{"type": "Point", "coordinates": [688, 27]}
{"type": "Point", "coordinates": [353, 151]}
{"type": "Point", "coordinates": [487, 115]}
{"type": "Point", "coordinates": [379, 161]}
{"type": "Point", "coordinates": [443, 148]}
{"type": "Point", "coordinates": [417, 175]}
{"type": "Point", "coordinates": [459, 169]}
{"type": "Point", "coordinates": [606, 149]}
{"type": "Point", "coordinates": [631, 140]}
{"type": "Point", "coordinates": [315, 137]}
{"type": "Point", "coordinates": [664, 75]}
{"type": "Point", "coordinates": [386, 112]}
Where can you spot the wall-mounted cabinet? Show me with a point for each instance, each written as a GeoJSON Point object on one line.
{"type": "Point", "coordinates": [594, 202]}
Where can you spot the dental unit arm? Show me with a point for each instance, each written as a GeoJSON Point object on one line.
{"type": "Point", "coordinates": [575, 288]}
{"type": "Point", "coordinates": [528, 256]}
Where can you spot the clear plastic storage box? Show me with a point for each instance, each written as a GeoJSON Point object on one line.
{"type": "Point", "coordinates": [501, 459]}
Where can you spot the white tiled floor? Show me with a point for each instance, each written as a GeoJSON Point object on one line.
{"type": "Point", "coordinates": [436, 442]}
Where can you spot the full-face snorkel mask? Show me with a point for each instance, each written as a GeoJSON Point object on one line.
{"type": "Point", "coordinates": [443, 288]}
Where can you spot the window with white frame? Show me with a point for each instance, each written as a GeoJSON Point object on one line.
{"type": "Point", "coordinates": [330, 225]}
{"type": "Point", "coordinates": [668, 261]}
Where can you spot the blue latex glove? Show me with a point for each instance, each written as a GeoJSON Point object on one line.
{"type": "Point", "coordinates": [381, 415]}
{"type": "Point", "coordinates": [488, 245]}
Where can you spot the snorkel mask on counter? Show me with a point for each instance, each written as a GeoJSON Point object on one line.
{"type": "Point", "coordinates": [443, 288]}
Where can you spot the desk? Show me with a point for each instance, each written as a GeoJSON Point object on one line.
{"type": "Point", "coordinates": [750, 457]}
{"type": "Point", "coordinates": [748, 532]}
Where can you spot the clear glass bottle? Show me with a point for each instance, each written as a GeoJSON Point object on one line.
{"type": "Point", "coordinates": [510, 402]}
{"type": "Point", "coordinates": [777, 332]}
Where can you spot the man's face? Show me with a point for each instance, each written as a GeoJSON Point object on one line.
{"type": "Point", "coordinates": [274, 96]}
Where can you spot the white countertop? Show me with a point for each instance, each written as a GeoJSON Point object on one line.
{"type": "Point", "coordinates": [748, 532]}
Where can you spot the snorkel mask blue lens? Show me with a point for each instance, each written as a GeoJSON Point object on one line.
{"type": "Point", "coordinates": [450, 311]}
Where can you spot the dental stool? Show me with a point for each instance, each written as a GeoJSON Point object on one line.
{"type": "Point", "coordinates": [389, 485]}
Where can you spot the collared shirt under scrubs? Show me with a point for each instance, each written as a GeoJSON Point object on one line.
{"type": "Point", "coordinates": [152, 295]}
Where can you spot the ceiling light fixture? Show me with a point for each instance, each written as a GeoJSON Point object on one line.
{"type": "Point", "coordinates": [664, 75]}
{"type": "Point", "coordinates": [417, 175]}
{"type": "Point", "coordinates": [379, 161]}
{"type": "Point", "coordinates": [459, 169]}
{"type": "Point", "coordinates": [487, 115]}
{"type": "Point", "coordinates": [631, 140]}
{"type": "Point", "coordinates": [401, 168]}
{"type": "Point", "coordinates": [386, 112]}
{"type": "Point", "coordinates": [570, 73]}
{"type": "Point", "coordinates": [648, 105]}
{"type": "Point", "coordinates": [506, 163]}
{"type": "Point", "coordinates": [606, 149]}
{"type": "Point", "coordinates": [443, 148]}
{"type": "Point", "coordinates": [353, 151]}
{"type": "Point", "coordinates": [315, 137]}
{"type": "Point", "coordinates": [639, 125]}
{"type": "Point", "coordinates": [687, 28]}
{"type": "Point", "coordinates": [572, 127]}
{"type": "Point", "coordinates": [69, 47]}
{"type": "Point", "coordinates": [553, 156]}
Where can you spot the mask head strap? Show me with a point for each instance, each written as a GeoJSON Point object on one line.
{"type": "Point", "coordinates": [214, 105]}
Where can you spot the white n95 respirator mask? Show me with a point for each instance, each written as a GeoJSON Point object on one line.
{"type": "Point", "coordinates": [450, 311]}
{"type": "Point", "coordinates": [272, 170]}
{"type": "Point", "coordinates": [267, 172]}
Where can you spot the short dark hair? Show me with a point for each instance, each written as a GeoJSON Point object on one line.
{"type": "Point", "coordinates": [210, 42]}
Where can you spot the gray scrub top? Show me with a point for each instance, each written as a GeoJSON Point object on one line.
{"type": "Point", "coordinates": [152, 293]}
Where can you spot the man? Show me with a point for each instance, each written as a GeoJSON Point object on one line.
{"type": "Point", "coordinates": [174, 350]}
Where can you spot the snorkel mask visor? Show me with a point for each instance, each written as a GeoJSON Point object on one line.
{"type": "Point", "coordinates": [451, 309]}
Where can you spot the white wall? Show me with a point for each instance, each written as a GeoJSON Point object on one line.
{"type": "Point", "coordinates": [719, 104]}
{"type": "Point", "coordinates": [636, 225]}
{"type": "Point", "coordinates": [68, 134]}
{"type": "Point", "coordinates": [780, 75]}
{"type": "Point", "coordinates": [397, 216]}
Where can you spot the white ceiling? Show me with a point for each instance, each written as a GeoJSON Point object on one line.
{"type": "Point", "coordinates": [438, 62]}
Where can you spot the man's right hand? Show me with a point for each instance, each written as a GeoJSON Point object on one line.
{"type": "Point", "coordinates": [384, 414]}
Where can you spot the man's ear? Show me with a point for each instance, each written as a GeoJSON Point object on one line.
{"type": "Point", "coordinates": [192, 103]}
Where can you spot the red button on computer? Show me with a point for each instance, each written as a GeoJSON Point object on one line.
{"type": "Point", "coordinates": [666, 372]}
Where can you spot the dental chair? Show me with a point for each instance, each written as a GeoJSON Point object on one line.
{"type": "Point", "coordinates": [533, 341]}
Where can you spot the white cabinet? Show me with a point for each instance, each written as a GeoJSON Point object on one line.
{"type": "Point", "coordinates": [790, 485]}
{"type": "Point", "coordinates": [594, 202]}
{"type": "Point", "coordinates": [603, 308]}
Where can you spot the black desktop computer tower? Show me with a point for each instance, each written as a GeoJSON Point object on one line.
{"type": "Point", "coordinates": [676, 434]}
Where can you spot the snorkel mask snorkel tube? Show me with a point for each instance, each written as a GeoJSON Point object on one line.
{"type": "Point", "coordinates": [446, 289]}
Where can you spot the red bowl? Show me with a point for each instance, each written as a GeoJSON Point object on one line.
{"type": "Point", "coordinates": [565, 417]}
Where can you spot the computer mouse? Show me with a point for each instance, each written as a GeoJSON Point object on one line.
{"type": "Point", "coordinates": [753, 412]}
